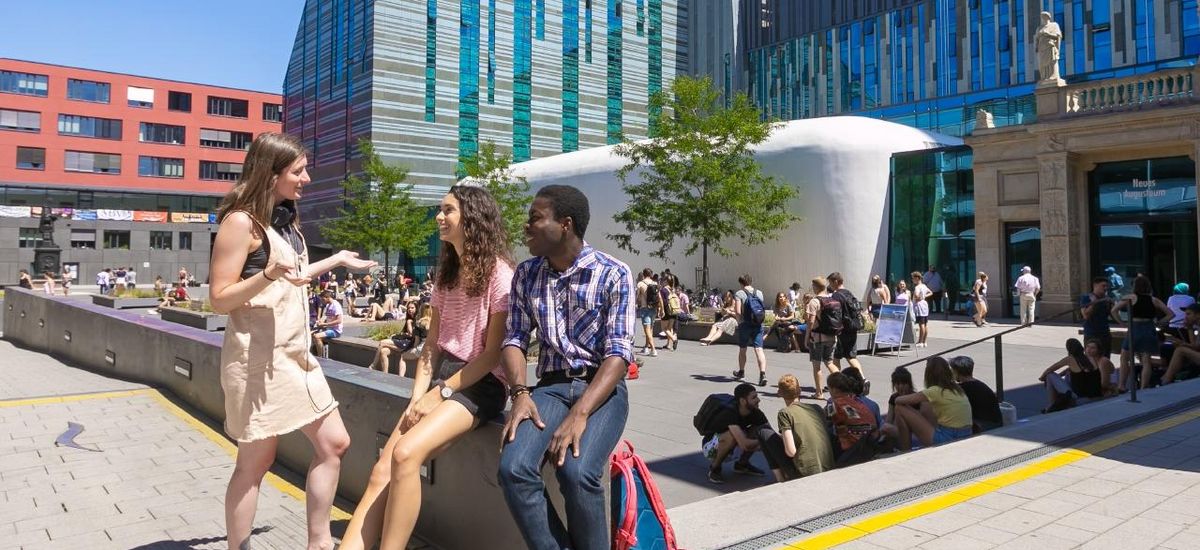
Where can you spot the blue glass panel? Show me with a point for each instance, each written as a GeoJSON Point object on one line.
{"type": "Point", "coordinates": [828, 62]}
{"type": "Point", "coordinates": [855, 87]}
{"type": "Point", "coordinates": [1019, 24]}
{"type": "Point", "coordinates": [468, 81]}
{"type": "Point", "coordinates": [587, 31]}
{"type": "Point", "coordinates": [430, 60]}
{"type": "Point", "coordinates": [654, 81]}
{"type": "Point", "coordinates": [870, 64]}
{"type": "Point", "coordinates": [1143, 29]}
{"type": "Point", "coordinates": [896, 75]}
{"type": "Point", "coordinates": [1004, 43]}
{"type": "Point", "coordinates": [975, 24]}
{"type": "Point", "coordinates": [541, 19]}
{"type": "Point", "coordinates": [615, 85]}
{"type": "Point", "coordinates": [920, 47]}
{"type": "Point", "coordinates": [522, 77]}
{"type": "Point", "coordinates": [491, 59]}
{"type": "Point", "coordinates": [987, 19]}
{"type": "Point", "coordinates": [1078, 44]}
{"type": "Point", "coordinates": [641, 17]}
{"type": "Point", "coordinates": [844, 68]}
{"type": "Point", "coordinates": [909, 24]}
{"type": "Point", "coordinates": [570, 75]}
{"type": "Point", "coordinates": [1191, 27]}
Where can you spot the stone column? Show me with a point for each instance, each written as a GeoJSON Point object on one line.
{"type": "Point", "coordinates": [1061, 234]}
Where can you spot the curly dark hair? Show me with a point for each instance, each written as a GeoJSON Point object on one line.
{"type": "Point", "coordinates": [485, 242]}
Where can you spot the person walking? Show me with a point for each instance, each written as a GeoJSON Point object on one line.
{"type": "Point", "coordinates": [979, 296]}
{"type": "Point", "coordinates": [748, 305]}
{"type": "Point", "coordinates": [649, 301]}
{"type": "Point", "coordinates": [852, 322]}
{"type": "Point", "coordinates": [48, 284]}
{"type": "Point", "coordinates": [822, 314]}
{"type": "Point", "coordinates": [576, 414]}
{"type": "Point", "coordinates": [1028, 286]}
{"type": "Point", "coordinates": [66, 281]}
{"type": "Point", "coordinates": [470, 306]}
{"type": "Point", "coordinates": [937, 288]}
{"type": "Point", "coordinates": [104, 280]}
{"type": "Point", "coordinates": [272, 384]}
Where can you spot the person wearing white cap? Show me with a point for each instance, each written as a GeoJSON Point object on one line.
{"type": "Point", "coordinates": [1027, 288]}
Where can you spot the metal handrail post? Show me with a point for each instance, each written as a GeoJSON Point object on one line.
{"type": "Point", "coordinates": [999, 370]}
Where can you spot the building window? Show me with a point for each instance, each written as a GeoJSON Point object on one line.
{"type": "Point", "coordinates": [87, 90]}
{"type": "Point", "coordinates": [24, 83]}
{"type": "Point", "coordinates": [83, 238]}
{"type": "Point", "coordinates": [161, 133]}
{"type": "Point", "coordinates": [273, 112]}
{"type": "Point", "coordinates": [224, 171]}
{"type": "Point", "coordinates": [158, 167]}
{"type": "Point", "coordinates": [31, 158]}
{"type": "Point", "coordinates": [179, 101]}
{"type": "Point", "coordinates": [25, 121]}
{"type": "Point", "coordinates": [86, 126]}
{"type": "Point", "coordinates": [224, 106]}
{"type": "Point", "coordinates": [142, 98]}
{"type": "Point", "coordinates": [185, 240]}
{"type": "Point", "coordinates": [160, 240]}
{"type": "Point", "coordinates": [116, 239]}
{"type": "Point", "coordinates": [225, 139]}
{"type": "Point", "coordinates": [99, 163]}
{"type": "Point", "coordinates": [29, 237]}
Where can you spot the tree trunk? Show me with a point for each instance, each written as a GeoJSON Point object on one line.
{"type": "Point", "coordinates": [387, 261]}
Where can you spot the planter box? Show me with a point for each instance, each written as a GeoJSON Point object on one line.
{"type": "Point", "coordinates": [194, 319]}
{"type": "Point", "coordinates": [124, 303]}
{"type": "Point", "coordinates": [864, 341]}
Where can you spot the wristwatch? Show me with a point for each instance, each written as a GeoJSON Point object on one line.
{"type": "Point", "coordinates": [445, 390]}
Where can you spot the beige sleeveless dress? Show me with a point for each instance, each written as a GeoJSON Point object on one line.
{"type": "Point", "coordinates": [273, 384]}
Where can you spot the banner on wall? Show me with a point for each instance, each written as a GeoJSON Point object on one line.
{"type": "Point", "coordinates": [66, 213]}
{"type": "Point", "coordinates": [118, 215]}
{"type": "Point", "coordinates": [15, 211]}
{"type": "Point", "coordinates": [149, 216]}
{"type": "Point", "coordinates": [85, 214]}
{"type": "Point", "coordinates": [189, 217]}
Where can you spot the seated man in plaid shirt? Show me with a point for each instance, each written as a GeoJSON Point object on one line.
{"type": "Point", "coordinates": [579, 300]}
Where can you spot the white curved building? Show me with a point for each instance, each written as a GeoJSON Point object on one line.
{"type": "Point", "coordinates": [841, 167]}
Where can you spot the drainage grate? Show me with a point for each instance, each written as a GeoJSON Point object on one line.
{"type": "Point", "coordinates": [836, 517]}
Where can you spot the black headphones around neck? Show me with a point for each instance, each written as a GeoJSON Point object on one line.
{"type": "Point", "coordinates": [283, 214]}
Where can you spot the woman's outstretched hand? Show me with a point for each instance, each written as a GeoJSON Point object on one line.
{"type": "Point", "coordinates": [352, 261]}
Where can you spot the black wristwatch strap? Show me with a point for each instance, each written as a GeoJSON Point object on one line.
{"type": "Point", "coordinates": [517, 389]}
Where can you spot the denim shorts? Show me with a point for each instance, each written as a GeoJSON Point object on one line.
{"type": "Point", "coordinates": [749, 336]}
{"type": "Point", "coordinates": [646, 314]}
{"type": "Point", "coordinates": [943, 434]}
{"type": "Point", "coordinates": [1142, 338]}
{"type": "Point", "coordinates": [328, 333]}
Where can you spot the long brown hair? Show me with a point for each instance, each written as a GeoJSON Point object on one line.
{"type": "Point", "coordinates": [938, 373]}
{"type": "Point", "coordinates": [269, 155]}
{"type": "Point", "coordinates": [485, 240]}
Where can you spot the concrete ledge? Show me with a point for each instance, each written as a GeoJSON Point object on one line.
{"type": "Point", "coordinates": [194, 319]}
{"type": "Point", "coordinates": [713, 523]}
{"type": "Point", "coordinates": [123, 303]}
{"type": "Point", "coordinates": [186, 361]}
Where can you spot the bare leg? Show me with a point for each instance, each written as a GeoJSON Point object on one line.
{"type": "Point", "coordinates": [1177, 361]}
{"type": "Point", "coordinates": [712, 334]}
{"type": "Point", "coordinates": [446, 423]}
{"type": "Point", "coordinates": [241, 497]}
{"type": "Point", "coordinates": [761, 356]}
{"type": "Point", "coordinates": [915, 423]}
{"type": "Point", "coordinates": [741, 360]}
{"type": "Point", "coordinates": [1126, 360]}
{"type": "Point", "coordinates": [1147, 370]}
{"type": "Point", "coordinates": [648, 332]}
{"type": "Point", "coordinates": [816, 366]}
{"type": "Point", "coordinates": [330, 441]}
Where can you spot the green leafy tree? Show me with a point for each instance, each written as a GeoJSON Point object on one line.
{"type": "Point", "coordinates": [381, 214]}
{"type": "Point", "coordinates": [699, 183]}
{"type": "Point", "coordinates": [494, 171]}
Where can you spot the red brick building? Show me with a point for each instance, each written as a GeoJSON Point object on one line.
{"type": "Point", "coordinates": [131, 164]}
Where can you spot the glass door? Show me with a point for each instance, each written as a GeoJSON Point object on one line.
{"type": "Point", "coordinates": [1023, 247]}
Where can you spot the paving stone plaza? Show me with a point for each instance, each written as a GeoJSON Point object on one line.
{"type": "Point", "coordinates": [151, 472]}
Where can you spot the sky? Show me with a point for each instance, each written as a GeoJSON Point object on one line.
{"type": "Point", "coordinates": [240, 44]}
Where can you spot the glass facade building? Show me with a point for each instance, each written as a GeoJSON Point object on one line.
{"type": "Point", "coordinates": [427, 80]}
{"type": "Point", "coordinates": [934, 63]}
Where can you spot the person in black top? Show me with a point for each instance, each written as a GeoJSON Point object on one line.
{"type": "Point", "coordinates": [746, 427]}
{"type": "Point", "coordinates": [985, 407]}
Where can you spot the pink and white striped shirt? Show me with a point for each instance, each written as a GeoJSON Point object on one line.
{"type": "Point", "coordinates": [463, 319]}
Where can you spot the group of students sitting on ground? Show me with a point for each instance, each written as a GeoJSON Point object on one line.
{"type": "Point", "coordinates": [850, 428]}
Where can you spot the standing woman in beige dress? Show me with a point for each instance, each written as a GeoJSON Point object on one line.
{"type": "Point", "coordinates": [272, 384]}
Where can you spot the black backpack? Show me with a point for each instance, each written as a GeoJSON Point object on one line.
{"type": "Point", "coordinates": [709, 409]}
{"type": "Point", "coordinates": [652, 295]}
{"type": "Point", "coordinates": [852, 310]}
{"type": "Point", "coordinates": [753, 312]}
{"type": "Point", "coordinates": [829, 320]}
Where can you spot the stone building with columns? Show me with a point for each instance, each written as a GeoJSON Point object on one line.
{"type": "Point", "coordinates": [1105, 178]}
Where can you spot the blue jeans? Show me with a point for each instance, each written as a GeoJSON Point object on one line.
{"type": "Point", "coordinates": [581, 480]}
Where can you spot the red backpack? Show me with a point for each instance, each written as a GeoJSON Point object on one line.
{"type": "Point", "coordinates": [640, 519]}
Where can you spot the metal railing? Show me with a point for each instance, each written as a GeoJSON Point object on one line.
{"type": "Point", "coordinates": [998, 337]}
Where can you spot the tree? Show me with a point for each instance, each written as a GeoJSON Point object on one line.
{"type": "Point", "coordinates": [700, 183]}
{"type": "Point", "coordinates": [494, 171]}
{"type": "Point", "coordinates": [381, 214]}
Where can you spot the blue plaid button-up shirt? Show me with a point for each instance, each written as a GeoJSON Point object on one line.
{"type": "Point", "coordinates": [583, 315]}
